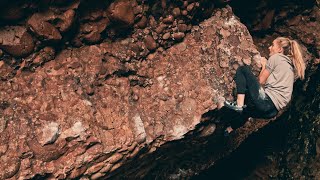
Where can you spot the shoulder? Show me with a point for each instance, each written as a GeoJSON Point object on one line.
{"type": "Point", "coordinates": [279, 58]}
{"type": "Point", "coordinates": [276, 56]}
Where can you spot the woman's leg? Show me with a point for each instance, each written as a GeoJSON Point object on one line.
{"type": "Point", "coordinates": [263, 105]}
{"type": "Point", "coordinates": [246, 83]}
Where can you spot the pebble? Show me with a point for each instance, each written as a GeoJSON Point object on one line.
{"type": "Point", "coordinates": [166, 36]}
{"type": "Point", "coordinates": [176, 12]}
{"type": "Point", "coordinates": [190, 7]}
{"type": "Point", "coordinates": [182, 27]}
{"type": "Point", "coordinates": [178, 36]}
{"type": "Point", "coordinates": [150, 43]}
{"type": "Point", "coordinates": [184, 12]}
{"type": "Point", "coordinates": [168, 20]}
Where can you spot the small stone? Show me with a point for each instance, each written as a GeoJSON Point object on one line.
{"type": "Point", "coordinates": [168, 20]}
{"type": "Point", "coordinates": [185, 4]}
{"type": "Point", "coordinates": [184, 12]}
{"type": "Point", "coordinates": [142, 23]}
{"type": "Point", "coordinates": [178, 36]}
{"type": "Point", "coordinates": [146, 31]}
{"type": "Point", "coordinates": [160, 28]}
{"type": "Point", "coordinates": [176, 12]}
{"type": "Point", "coordinates": [150, 43]}
{"type": "Point", "coordinates": [182, 27]}
{"type": "Point", "coordinates": [42, 28]}
{"type": "Point", "coordinates": [121, 12]}
{"type": "Point", "coordinates": [190, 7]}
{"type": "Point", "coordinates": [115, 158]}
{"type": "Point", "coordinates": [50, 133]}
{"type": "Point", "coordinates": [150, 56]}
{"type": "Point", "coordinates": [166, 36]}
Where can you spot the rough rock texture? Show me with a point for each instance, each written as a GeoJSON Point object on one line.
{"type": "Point", "coordinates": [86, 113]}
{"type": "Point", "coordinates": [141, 101]}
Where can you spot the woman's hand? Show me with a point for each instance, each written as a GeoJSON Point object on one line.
{"type": "Point", "coordinates": [263, 62]}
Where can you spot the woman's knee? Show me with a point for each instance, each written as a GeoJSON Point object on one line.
{"type": "Point", "coordinates": [243, 69]}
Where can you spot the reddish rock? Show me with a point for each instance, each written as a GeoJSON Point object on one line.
{"type": "Point", "coordinates": [182, 27]}
{"type": "Point", "coordinates": [133, 104]}
{"type": "Point", "coordinates": [176, 12]}
{"type": "Point", "coordinates": [16, 41]}
{"type": "Point", "coordinates": [178, 36]}
{"type": "Point", "coordinates": [49, 133]}
{"type": "Point", "coordinates": [143, 22]}
{"type": "Point", "coordinates": [190, 7]}
{"type": "Point", "coordinates": [139, 106]}
{"type": "Point", "coordinates": [121, 13]}
{"type": "Point", "coordinates": [91, 32]}
{"type": "Point", "coordinates": [168, 20]}
{"type": "Point", "coordinates": [160, 28]}
{"type": "Point", "coordinates": [150, 43]}
{"type": "Point", "coordinates": [43, 29]}
{"type": "Point", "coordinates": [166, 36]}
{"type": "Point", "coordinates": [67, 19]}
{"type": "Point", "coordinates": [184, 12]}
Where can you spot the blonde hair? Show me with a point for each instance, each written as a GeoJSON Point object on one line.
{"type": "Point", "coordinates": [292, 49]}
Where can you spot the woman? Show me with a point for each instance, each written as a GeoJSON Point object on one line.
{"type": "Point", "coordinates": [272, 91]}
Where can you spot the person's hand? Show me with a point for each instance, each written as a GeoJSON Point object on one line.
{"type": "Point", "coordinates": [263, 62]}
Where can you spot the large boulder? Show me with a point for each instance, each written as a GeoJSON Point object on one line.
{"type": "Point", "coordinates": [88, 112]}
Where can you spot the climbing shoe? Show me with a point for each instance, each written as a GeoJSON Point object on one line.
{"type": "Point", "coordinates": [234, 106]}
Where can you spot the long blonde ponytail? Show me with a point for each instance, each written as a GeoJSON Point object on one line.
{"type": "Point", "coordinates": [292, 49]}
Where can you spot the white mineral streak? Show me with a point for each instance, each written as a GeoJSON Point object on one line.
{"type": "Point", "coordinates": [140, 132]}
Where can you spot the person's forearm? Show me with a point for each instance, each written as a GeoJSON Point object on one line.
{"type": "Point", "coordinates": [263, 68]}
{"type": "Point", "coordinates": [263, 76]}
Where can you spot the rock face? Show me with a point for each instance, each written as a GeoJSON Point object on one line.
{"type": "Point", "coordinates": [123, 89]}
{"type": "Point", "coordinates": [88, 114]}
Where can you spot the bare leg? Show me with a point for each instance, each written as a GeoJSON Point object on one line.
{"type": "Point", "coordinates": [240, 99]}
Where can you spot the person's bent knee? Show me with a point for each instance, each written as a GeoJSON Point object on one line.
{"type": "Point", "coordinates": [243, 69]}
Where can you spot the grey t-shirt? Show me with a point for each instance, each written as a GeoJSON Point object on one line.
{"type": "Point", "coordinates": [279, 84]}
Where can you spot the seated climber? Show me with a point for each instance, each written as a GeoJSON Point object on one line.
{"type": "Point", "coordinates": [272, 91]}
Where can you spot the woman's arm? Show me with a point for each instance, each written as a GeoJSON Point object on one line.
{"type": "Point", "coordinates": [264, 73]}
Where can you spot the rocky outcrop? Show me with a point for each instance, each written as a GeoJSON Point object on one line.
{"type": "Point", "coordinates": [123, 89]}
{"type": "Point", "coordinates": [87, 113]}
